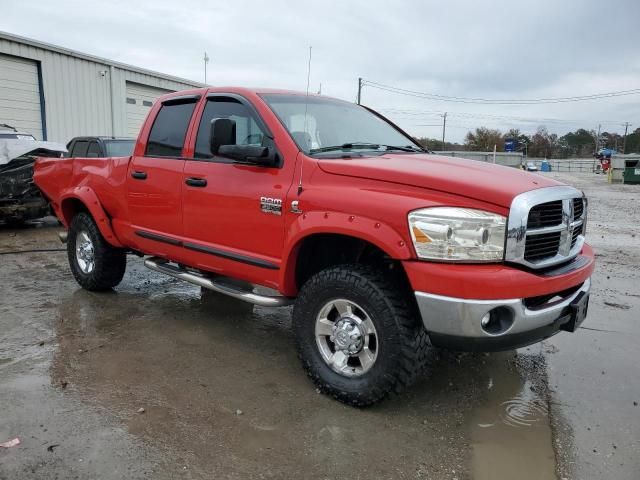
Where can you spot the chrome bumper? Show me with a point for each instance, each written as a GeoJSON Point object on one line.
{"type": "Point", "coordinates": [458, 320]}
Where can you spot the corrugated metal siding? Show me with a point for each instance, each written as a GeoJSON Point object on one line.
{"type": "Point", "coordinates": [77, 92]}
{"type": "Point", "coordinates": [139, 100]}
{"type": "Point", "coordinates": [20, 94]}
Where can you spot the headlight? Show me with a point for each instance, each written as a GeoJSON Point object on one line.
{"type": "Point", "coordinates": [457, 234]}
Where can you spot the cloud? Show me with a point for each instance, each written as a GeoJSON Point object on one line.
{"type": "Point", "coordinates": [485, 49]}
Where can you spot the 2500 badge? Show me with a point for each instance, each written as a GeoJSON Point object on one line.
{"type": "Point", "coordinates": [271, 205]}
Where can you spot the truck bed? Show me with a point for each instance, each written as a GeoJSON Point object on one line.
{"type": "Point", "coordinates": [58, 178]}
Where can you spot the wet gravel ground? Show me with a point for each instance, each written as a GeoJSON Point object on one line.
{"type": "Point", "coordinates": [223, 395]}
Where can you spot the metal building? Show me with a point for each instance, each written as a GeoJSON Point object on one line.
{"type": "Point", "coordinates": [57, 94]}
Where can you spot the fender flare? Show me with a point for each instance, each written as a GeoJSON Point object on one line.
{"type": "Point", "coordinates": [383, 236]}
{"type": "Point", "coordinates": [89, 199]}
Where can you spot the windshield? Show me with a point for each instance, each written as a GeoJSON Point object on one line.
{"type": "Point", "coordinates": [334, 126]}
{"type": "Point", "coordinates": [119, 148]}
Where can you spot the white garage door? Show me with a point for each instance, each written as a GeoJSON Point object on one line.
{"type": "Point", "coordinates": [20, 95]}
{"type": "Point", "coordinates": [139, 100]}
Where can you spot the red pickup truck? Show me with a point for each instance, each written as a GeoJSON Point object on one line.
{"type": "Point", "coordinates": [383, 248]}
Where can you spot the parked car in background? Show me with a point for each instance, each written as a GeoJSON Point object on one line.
{"type": "Point", "coordinates": [383, 248]}
{"type": "Point", "coordinates": [20, 198]}
{"type": "Point", "coordinates": [97, 147]}
{"type": "Point", "coordinates": [531, 167]}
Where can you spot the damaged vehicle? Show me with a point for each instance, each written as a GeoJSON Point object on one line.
{"type": "Point", "coordinates": [20, 198]}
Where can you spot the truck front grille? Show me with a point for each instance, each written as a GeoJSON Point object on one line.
{"type": "Point", "coordinates": [546, 227]}
{"type": "Point", "coordinates": [539, 247]}
{"type": "Point", "coordinates": [545, 215]}
{"type": "Point", "coordinates": [578, 207]}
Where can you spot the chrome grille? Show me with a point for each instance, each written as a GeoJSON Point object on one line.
{"type": "Point", "coordinates": [577, 231]}
{"type": "Point", "coordinates": [578, 207]}
{"type": "Point", "coordinates": [545, 215]}
{"type": "Point", "coordinates": [545, 227]}
{"type": "Point", "coordinates": [539, 247]}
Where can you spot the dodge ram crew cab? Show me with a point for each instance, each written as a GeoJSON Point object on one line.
{"type": "Point", "coordinates": [382, 248]}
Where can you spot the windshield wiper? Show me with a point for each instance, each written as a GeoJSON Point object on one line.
{"type": "Point", "coordinates": [365, 146]}
{"type": "Point", "coordinates": [408, 148]}
{"type": "Point", "coordinates": [345, 146]}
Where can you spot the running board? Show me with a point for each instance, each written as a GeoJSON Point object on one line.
{"type": "Point", "coordinates": [163, 266]}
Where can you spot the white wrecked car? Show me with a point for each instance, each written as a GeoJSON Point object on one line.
{"type": "Point", "coordinates": [20, 199]}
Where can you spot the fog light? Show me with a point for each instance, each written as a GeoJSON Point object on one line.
{"type": "Point", "coordinates": [497, 321]}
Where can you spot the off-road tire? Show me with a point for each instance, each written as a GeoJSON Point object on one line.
{"type": "Point", "coordinates": [110, 262]}
{"type": "Point", "coordinates": [403, 341]}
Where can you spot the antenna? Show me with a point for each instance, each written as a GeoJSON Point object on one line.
{"type": "Point", "coordinates": [306, 106]}
{"type": "Point", "coordinates": [206, 60]}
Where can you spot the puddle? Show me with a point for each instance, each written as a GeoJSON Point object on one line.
{"type": "Point", "coordinates": [510, 432]}
{"type": "Point", "coordinates": [525, 409]}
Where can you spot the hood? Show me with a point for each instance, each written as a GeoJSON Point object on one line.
{"type": "Point", "coordinates": [469, 178]}
{"type": "Point", "coordinates": [11, 149]}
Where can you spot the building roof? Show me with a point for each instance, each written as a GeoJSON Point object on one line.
{"type": "Point", "coordinates": [84, 56]}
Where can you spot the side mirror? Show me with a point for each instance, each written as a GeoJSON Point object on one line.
{"type": "Point", "coordinates": [257, 155]}
{"type": "Point", "coordinates": [223, 132]}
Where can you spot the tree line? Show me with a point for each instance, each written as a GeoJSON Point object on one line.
{"type": "Point", "coordinates": [581, 143]}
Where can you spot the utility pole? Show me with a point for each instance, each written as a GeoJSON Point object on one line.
{"type": "Point", "coordinates": [624, 141]}
{"type": "Point", "coordinates": [206, 60]}
{"type": "Point", "coordinates": [444, 129]}
{"type": "Point", "coordinates": [598, 139]}
{"type": "Point", "coordinates": [359, 89]}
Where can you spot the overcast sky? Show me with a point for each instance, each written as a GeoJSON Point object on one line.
{"type": "Point", "coordinates": [499, 49]}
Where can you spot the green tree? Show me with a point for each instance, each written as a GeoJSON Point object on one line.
{"type": "Point", "coordinates": [483, 140]}
{"type": "Point", "coordinates": [633, 142]}
{"type": "Point", "coordinates": [435, 144]}
{"type": "Point", "coordinates": [580, 143]}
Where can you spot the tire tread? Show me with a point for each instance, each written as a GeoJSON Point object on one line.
{"type": "Point", "coordinates": [414, 344]}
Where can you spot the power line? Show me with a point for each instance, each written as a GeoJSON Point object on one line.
{"type": "Point", "coordinates": [489, 101]}
{"type": "Point", "coordinates": [421, 113]}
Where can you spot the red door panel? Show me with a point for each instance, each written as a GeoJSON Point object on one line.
{"type": "Point", "coordinates": [155, 191]}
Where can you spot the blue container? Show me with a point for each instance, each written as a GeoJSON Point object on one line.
{"type": "Point", "coordinates": [545, 166]}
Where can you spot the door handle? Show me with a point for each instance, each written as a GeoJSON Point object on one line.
{"type": "Point", "coordinates": [139, 175]}
{"type": "Point", "coordinates": [196, 182]}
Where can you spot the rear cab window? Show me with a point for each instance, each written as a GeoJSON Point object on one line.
{"type": "Point", "coordinates": [169, 129]}
{"type": "Point", "coordinates": [94, 150]}
{"type": "Point", "coordinates": [80, 148]}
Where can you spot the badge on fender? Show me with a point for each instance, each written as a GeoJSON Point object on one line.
{"type": "Point", "coordinates": [271, 205]}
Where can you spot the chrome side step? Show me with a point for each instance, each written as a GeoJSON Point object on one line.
{"type": "Point", "coordinates": [163, 266]}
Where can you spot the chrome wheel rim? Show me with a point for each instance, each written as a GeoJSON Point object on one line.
{"type": "Point", "coordinates": [346, 338]}
{"type": "Point", "coordinates": [85, 253]}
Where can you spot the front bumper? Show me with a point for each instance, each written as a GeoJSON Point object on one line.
{"type": "Point", "coordinates": [456, 322]}
{"type": "Point", "coordinates": [454, 298]}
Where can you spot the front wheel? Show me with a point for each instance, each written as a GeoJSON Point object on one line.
{"type": "Point", "coordinates": [95, 264]}
{"type": "Point", "coordinates": [359, 335]}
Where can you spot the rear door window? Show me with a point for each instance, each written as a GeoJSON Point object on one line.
{"type": "Point", "coordinates": [169, 129]}
{"type": "Point", "coordinates": [80, 148]}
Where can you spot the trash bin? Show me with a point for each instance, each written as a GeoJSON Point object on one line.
{"type": "Point", "coordinates": [545, 166]}
{"type": "Point", "coordinates": [631, 174]}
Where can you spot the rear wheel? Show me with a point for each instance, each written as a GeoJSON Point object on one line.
{"type": "Point", "coordinates": [359, 336]}
{"type": "Point", "coordinates": [95, 264]}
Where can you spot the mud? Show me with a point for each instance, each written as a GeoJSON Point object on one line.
{"type": "Point", "coordinates": [224, 396]}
